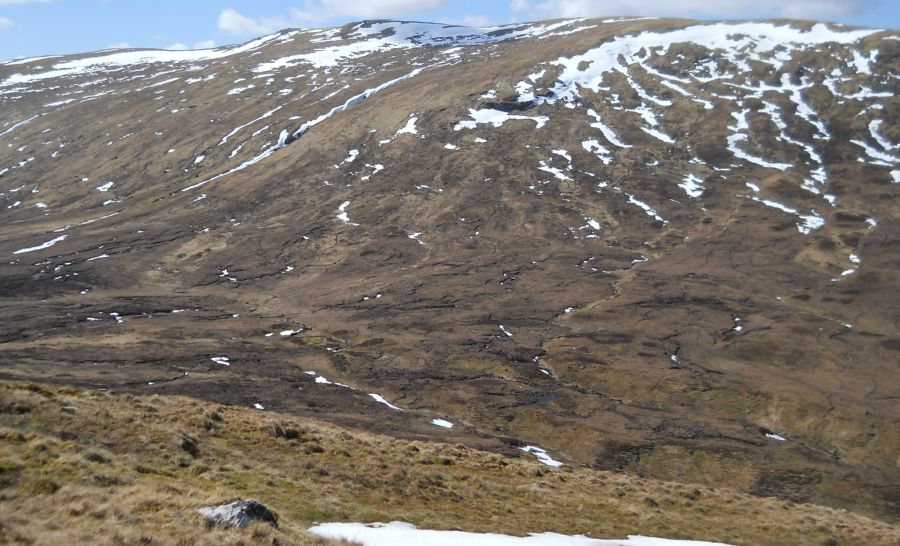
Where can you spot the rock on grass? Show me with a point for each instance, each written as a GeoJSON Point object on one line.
{"type": "Point", "coordinates": [239, 513]}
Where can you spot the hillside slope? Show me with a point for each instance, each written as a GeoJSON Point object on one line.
{"type": "Point", "coordinates": [655, 246]}
{"type": "Point", "coordinates": [90, 467]}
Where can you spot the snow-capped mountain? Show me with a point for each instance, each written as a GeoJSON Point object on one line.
{"type": "Point", "coordinates": [661, 246]}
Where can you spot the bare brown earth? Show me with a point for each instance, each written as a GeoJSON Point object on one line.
{"type": "Point", "coordinates": [647, 374]}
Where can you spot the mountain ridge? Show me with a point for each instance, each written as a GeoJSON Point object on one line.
{"type": "Point", "coordinates": [495, 28]}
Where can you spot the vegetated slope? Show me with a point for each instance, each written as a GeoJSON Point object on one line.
{"type": "Point", "coordinates": [92, 467]}
{"type": "Point", "coordinates": [656, 246]}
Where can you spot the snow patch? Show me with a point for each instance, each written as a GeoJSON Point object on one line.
{"type": "Point", "coordinates": [692, 185]}
{"type": "Point", "coordinates": [409, 128]}
{"type": "Point", "coordinates": [541, 455]}
{"type": "Point", "coordinates": [342, 214]}
{"type": "Point", "coordinates": [496, 118]}
{"type": "Point", "coordinates": [393, 534]}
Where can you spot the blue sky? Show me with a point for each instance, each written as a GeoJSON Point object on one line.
{"type": "Point", "coordinates": [43, 27]}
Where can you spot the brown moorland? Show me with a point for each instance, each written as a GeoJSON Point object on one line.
{"type": "Point", "coordinates": [685, 269]}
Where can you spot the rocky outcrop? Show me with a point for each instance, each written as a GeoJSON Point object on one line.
{"type": "Point", "coordinates": [239, 513]}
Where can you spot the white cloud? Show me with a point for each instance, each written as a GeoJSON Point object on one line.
{"type": "Point", "coordinates": [120, 45]}
{"type": "Point", "coordinates": [5, 22]}
{"type": "Point", "coordinates": [22, 2]}
{"type": "Point", "coordinates": [800, 9]}
{"type": "Point", "coordinates": [824, 9]}
{"type": "Point", "coordinates": [232, 22]}
{"type": "Point", "coordinates": [320, 10]}
{"type": "Point", "coordinates": [519, 5]}
{"type": "Point", "coordinates": [477, 21]}
{"type": "Point", "coordinates": [317, 11]}
{"type": "Point", "coordinates": [179, 46]}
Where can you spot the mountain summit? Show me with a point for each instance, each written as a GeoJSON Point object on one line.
{"type": "Point", "coordinates": [662, 247]}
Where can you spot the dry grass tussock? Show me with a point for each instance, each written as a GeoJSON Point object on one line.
{"type": "Point", "coordinates": [88, 467]}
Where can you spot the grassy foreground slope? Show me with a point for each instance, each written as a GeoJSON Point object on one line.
{"type": "Point", "coordinates": [96, 467]}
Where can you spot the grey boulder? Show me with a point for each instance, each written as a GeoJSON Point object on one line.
{"type": "Point", "coordinates": [239, 513]}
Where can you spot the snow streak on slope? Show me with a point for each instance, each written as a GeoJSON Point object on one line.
{"type": "Point", "coordinates": [285, 138]}
{"type": "Point", "coordinates": [48, 244]}
{"type": "Point", "coordinates": [740, 135]}
{"type": "Point", "coordinates": [16, 125]}
{"type": "Point", "coordinates": [735, 52]}
{"type": "Point", "coordinates": [735, 41]}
